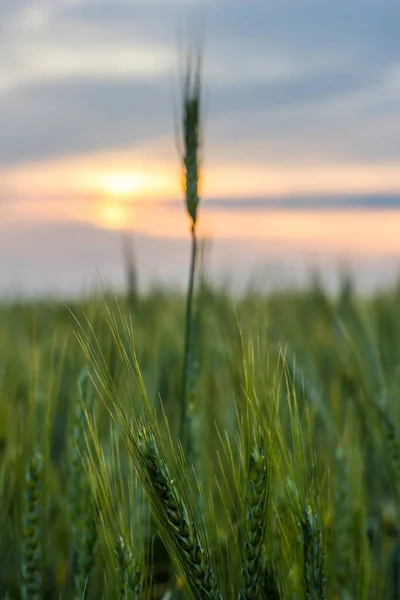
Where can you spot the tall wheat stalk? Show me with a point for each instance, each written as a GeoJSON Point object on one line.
{"type": "Point", "coordinates": [81, 505]}
{"type": "Point", "coordinates": [191, 171]}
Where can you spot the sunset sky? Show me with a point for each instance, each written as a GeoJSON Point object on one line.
{"type": "Point", "coordinates": [301, 102]}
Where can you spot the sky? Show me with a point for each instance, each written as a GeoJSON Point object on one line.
{"type": "Point", "coordinates": [301, 130]}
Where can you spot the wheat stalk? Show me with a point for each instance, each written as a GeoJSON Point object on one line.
{"type": "Point", "coordinates": [190, 159]}
{"type": "Point", "coordinates": [342, 521]}
{"type": "Point", "coordinates": [81, 505]}
{"type": "Point", "coordinates": [392, 443]}
{"type": "Point", "coordinates": [32, 559]}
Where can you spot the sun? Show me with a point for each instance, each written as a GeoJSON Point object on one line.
{"type": "Point", "coordinates": [113, 215]}
{"type": "Point", "coordinates": [122, 185]}
{"type": "Point", "coordinates": [121, 194]}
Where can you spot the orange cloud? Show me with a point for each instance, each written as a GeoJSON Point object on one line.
{"type": "Point", "coordinates": [103, 189]}
{"type": "Point", "coordinates": [138, 174]}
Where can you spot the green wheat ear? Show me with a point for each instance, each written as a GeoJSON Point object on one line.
{"type": "Point", "coordinates": [314, 557]}
{"type": "Point", "coordinates": [191, 138]}
{"type": "Point", "coordinates": [255, 524]}
{"type": "Point", "coordinates": [130, 577]}
{"type": "Point", "coordinates": [341, 566]}
{"type": "Point", "coordinates": [32, 553]}
{"type": "Point", "coordinates": [178, 524]}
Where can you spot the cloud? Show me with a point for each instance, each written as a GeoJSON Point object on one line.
{"type": "Point", "coordinates": [81, 116]}
{"type": "Point", "coordinates": [45, 46]}
{"type": "Point", "coordinates": [92, 62]}
{"type": "Point", "coordinates": [283, 81]}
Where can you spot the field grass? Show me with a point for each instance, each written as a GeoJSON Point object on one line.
{"type": "Point", "coordinates": [292, 486]}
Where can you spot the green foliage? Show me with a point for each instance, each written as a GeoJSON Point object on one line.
{"type": "Point", "coordinates": [292, 491]}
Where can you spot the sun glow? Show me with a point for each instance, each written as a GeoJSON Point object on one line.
{"type": "Point", "coordinates": [113, 215]}
{"type": "Point", "coordinates": [123, 185]}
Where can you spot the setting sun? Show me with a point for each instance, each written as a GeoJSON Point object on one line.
{"type": "Point", "coordinates": [113, 215]}
{"type": "Point", "coordinates": [123, 185]}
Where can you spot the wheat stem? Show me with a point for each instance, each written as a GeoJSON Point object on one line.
{"type": "Point", "coordinates": [81, 505]}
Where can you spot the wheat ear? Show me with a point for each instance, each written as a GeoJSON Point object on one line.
{"type": "Point", "coordinates": [130, 577]}
{"type": "Point", "coordinates": [255, 525]}
{"type": "Point", "coordinates": [314, 557]}
{"type": "Point", "coordinates": [180, 525]}
{"type": "Point", "coordinates": [32, 559]}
